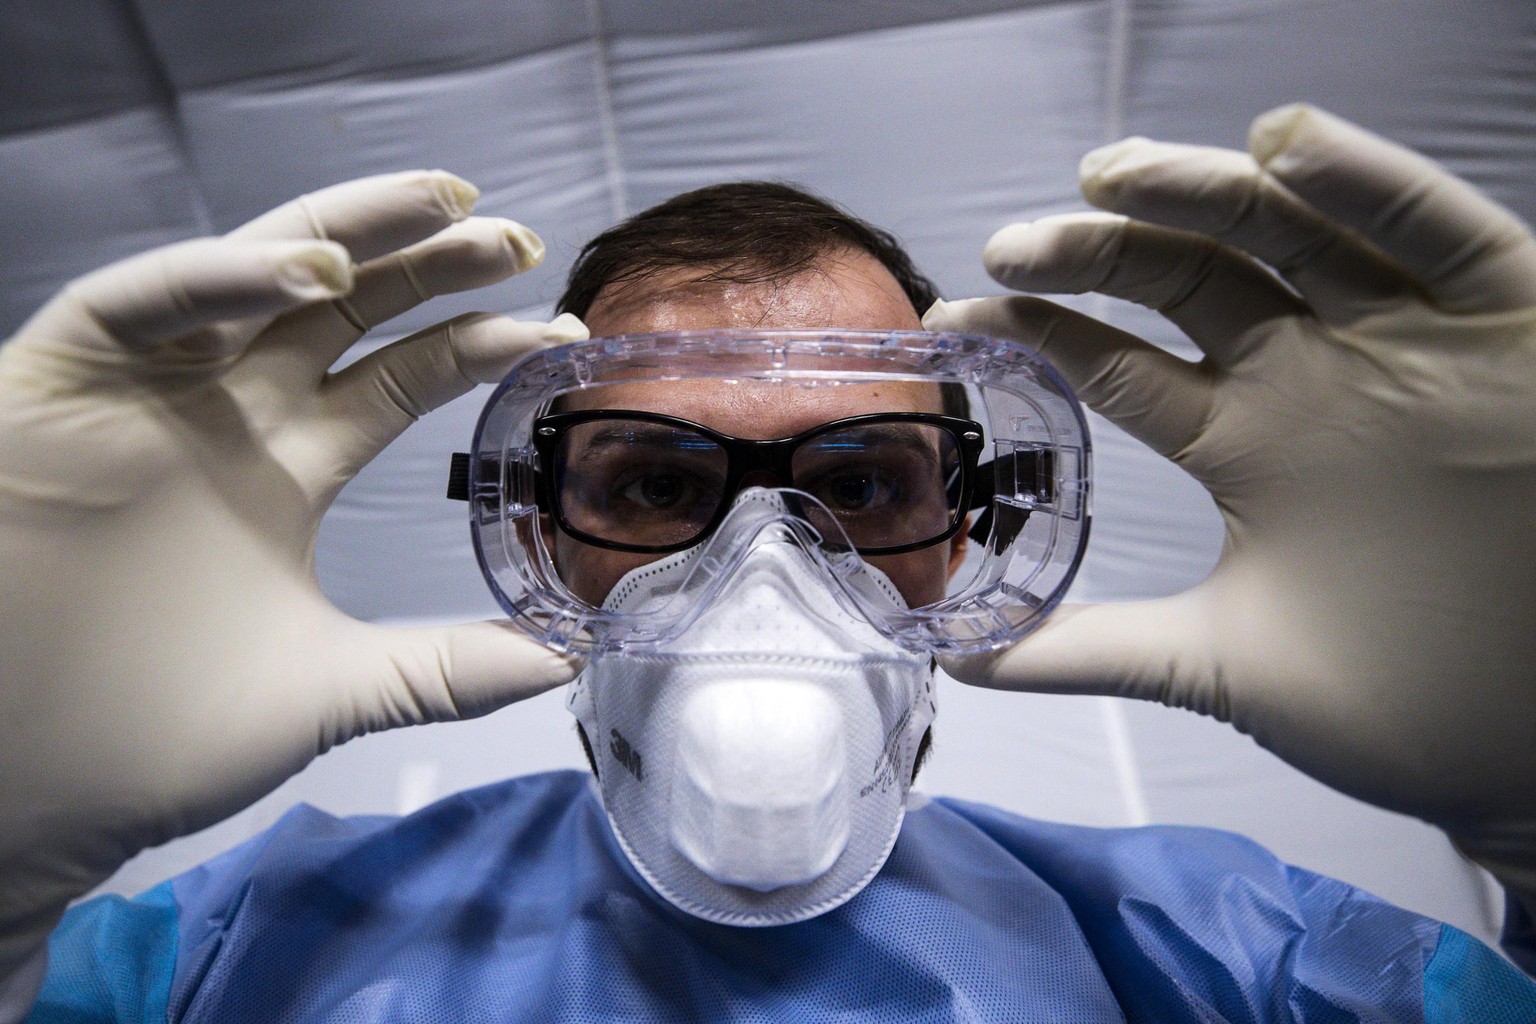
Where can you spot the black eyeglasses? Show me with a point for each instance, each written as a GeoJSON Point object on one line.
{"type": "Point", "coordinates": [644, 482]}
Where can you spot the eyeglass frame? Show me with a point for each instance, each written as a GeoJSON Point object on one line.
{"type": "Point", "coordinates": [748, 455]}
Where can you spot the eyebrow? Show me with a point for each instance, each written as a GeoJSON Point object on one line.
{"type": "Point", "coordinates": [884, 435]}
{"type": "Point", "coordinates": [655, 434]}
{"type": "Point", "coordinates": [637, 432]}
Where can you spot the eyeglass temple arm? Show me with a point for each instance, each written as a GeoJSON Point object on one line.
{"type": "Point", "coordinates": [1033, 471]}
{"type": "Point", "coordinates": [458, 475]}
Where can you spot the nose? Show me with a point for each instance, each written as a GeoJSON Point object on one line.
{"type": "Point", "coordinates": [762, 478]}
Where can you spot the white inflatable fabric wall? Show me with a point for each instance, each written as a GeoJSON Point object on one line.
{"type": "Point", "coordinates": [131, 123]}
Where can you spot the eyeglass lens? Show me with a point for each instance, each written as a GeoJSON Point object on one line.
{"type": "Point", "coordinates": [650, 484]}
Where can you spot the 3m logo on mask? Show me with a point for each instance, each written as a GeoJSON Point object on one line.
{"type": "Point", "coordinates": [626, 755]}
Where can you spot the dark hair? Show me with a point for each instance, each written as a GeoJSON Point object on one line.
{"type": "Point", "coordinates": [744, 232]}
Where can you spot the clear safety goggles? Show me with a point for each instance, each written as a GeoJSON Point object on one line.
{"type": "Point", "coordinates": [596, 458]}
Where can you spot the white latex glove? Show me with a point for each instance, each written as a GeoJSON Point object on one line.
{"type": "Point", "coordinates": [1368, 434]}
{"type": "Point", "coordinates": [169, 439]}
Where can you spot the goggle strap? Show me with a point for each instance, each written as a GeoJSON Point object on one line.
{"type": "Point", "coordinates": [458, 477]}
{"type": "Point", "coordinates": [459, 465]}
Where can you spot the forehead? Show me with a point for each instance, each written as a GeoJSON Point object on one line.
{"type": "Point", "coordinates": [848, 289]}
{"type": "Point", "coordinates": [843, 289]}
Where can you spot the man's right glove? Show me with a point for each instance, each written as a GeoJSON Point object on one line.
{"type": "Point", "coordinates": [1365, 419]}
{"type": "Point", "coordinates": [170, 435]}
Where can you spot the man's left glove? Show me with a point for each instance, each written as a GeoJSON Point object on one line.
{"type": "Point", "coordinates": [1364, 418]}
{"type": "Point", "coordinates": [170, 435]}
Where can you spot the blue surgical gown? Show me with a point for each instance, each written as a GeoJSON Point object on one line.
{"type": "Point", "coordinates": [513, 903]}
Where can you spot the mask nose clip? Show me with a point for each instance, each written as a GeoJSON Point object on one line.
{"type": "Point", "coordinates": [759, 509]}
{"type": "Point", "coordinates": [691, 582]}
{"type": "Point", "coordinates": [758, 516]}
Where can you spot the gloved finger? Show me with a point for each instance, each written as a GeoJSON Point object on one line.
{"type": "Point", "coordinates": [370, 216]}
{"type": "Point", "coordinates": [168, 293]}
{"type": "Point", "coordinates": [1469, 253]}
{"type": "Point", "coordinates": [471, 254]}
{"type": "Point", "coordinates": [474, 253]}
{"type": "Point", "coordinates": [1215, 294]}
{"type": "Point", "coordinates": [1226, 195]}
{"type": "Point", "coordinates": [443, 673]}
{"type": "Point", "coordinates": [377, 397]}
{"type": "Point", "coordinates": [1150, 650]}
{"type": "Point", "coordinates": [1154, 396]}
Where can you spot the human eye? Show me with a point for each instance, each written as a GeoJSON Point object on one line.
{"type": "Point", "coordinates": [873, 470]}
{"type": "Point", "coordinates": [659, 488]}
{"type": "Point", "coordinates": [664, 472]}
{"type": "Point", "coordinates": [639, 482]}
{"type": "Point", "coordinates": [856, 488]}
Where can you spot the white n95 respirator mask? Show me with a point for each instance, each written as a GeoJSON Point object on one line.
{"type": "Point", "coordinates": [755, 767]}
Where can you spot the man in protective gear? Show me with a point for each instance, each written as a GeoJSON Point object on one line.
{"type": "Point", "coordinates": [170, 435]}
